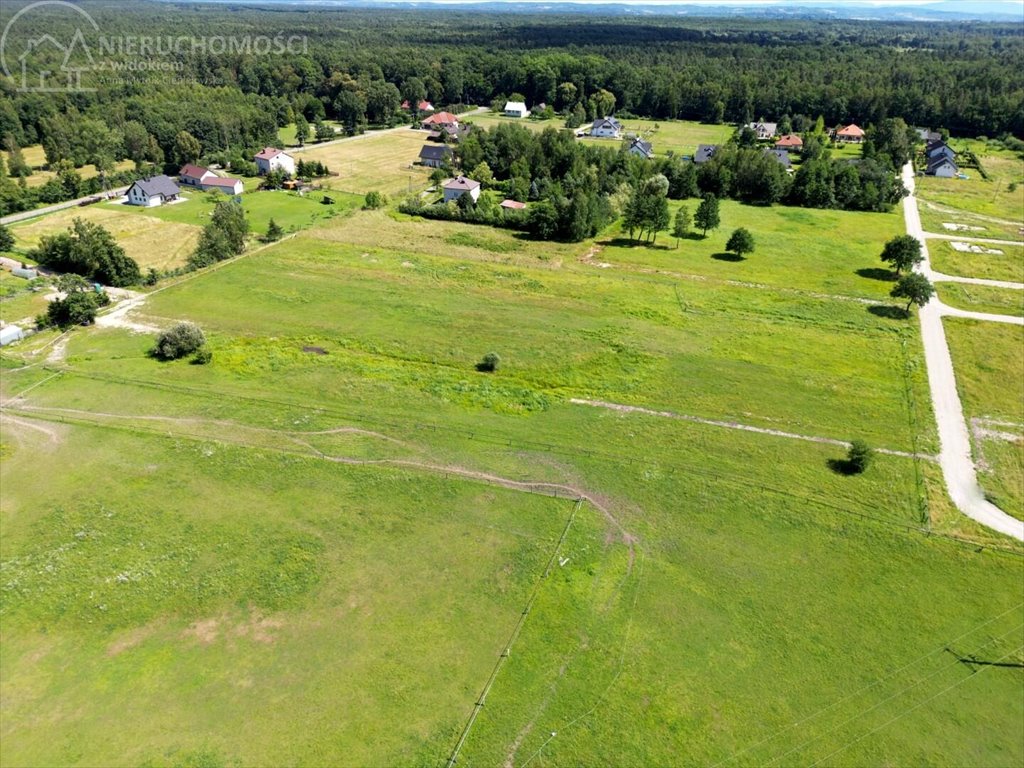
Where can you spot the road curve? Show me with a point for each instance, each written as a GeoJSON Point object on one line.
{"type": "Point", "coordinates": [954, 440]}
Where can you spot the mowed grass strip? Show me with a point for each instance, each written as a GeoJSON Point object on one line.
{"type": "Point", "coordinates": [153, 241]}
{"type": "Point", "coordinates": [1008, 265]}
{"type": "Point", "coordinates": [384, 597]}
{"type": "Point", "coordinates": [378, 162]}
{"type": "Point", "coordinates": [982, 298]}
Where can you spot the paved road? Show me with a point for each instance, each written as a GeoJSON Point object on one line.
{"type": "Point", "coordinates": [955, 442]}
{"type": "Point", "coordinates": [23, 215]}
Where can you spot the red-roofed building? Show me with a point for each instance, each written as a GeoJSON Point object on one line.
{"type": "Point", "coordinates": [851, 134]}
{"type": "Point", "coordinates": [204, 179]}
{"type": "Point", "coordinates": [273, 159]}
{"type": "Point", "coordinates": [513, 205]}
{"type": "Point", "coordinates": [790, 142]}
{"type": "Point", "coordinates": [459, 186]}
{"type": "Point", "coordinates": [424, 106]}
{"type": "Point", "coordinates": [441, 120]}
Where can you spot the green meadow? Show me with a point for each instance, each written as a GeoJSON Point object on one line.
{"type": "Point", "coordinates": [1008, 265]}
{"type": "Point", "coordinates": [318, 548]}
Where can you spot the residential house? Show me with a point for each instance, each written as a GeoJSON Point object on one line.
{"type": "Point", "coordinates": [942, 167]}
{"type": "Point", "coordinates": [641, 148]}
{"type": "Point", "coordinates": [704, 153]}
{"type": "Point", "coordinates": [456, 134]}
{"type": "Point", "coordinates": [940, 149]}
{"type": "Point", "coordinates": [441, 121]}
{"type": "Point", "coordinates": [790, 142]}
{"type": "Point", "coordinates": [764, 131]}
{"type": "Point", "coordinates": [153, 191]}
{"type": "Point", "coordinates": [273, 159]}
{"type": "Point", "coordinates": [927, 136]}
{"type": "Point", "coordinates": [204, 179]}
{"type": "Point", "coordinates": [516, 109]}
{"type": "Point", "coordinates": [459, 186]}
{"type": "Point", "coordinates": [423, 106]}
{"type": "Point", "coordinates": [850, 134]}
{"type": "Point", "coordinates": [512, 205]}
{"type": "Point", "coordinates": [606, 128]}
{"type": "Point", "coordinates": [435, 155]}
{"type": "Point", "coordinates": [782, 156]}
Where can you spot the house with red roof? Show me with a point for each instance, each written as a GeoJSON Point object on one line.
{"type": "Point", "coordinates": [273, 159]}
{"type": "Point", "coordinates": [204, 179]}
{"type": "Point", "coordinates": [790, 142]}
{"type": "Point", "coordinates": [850, 134]}
{"type": "Point", "coordinates": [459, 186]}
{"type": "Point", "coordinates": [441, 121]}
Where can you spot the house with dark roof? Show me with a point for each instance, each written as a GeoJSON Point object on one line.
{"type": "Point", "coordinates": [153, 191]}
{"type": "Point", "coordinates": [704, 153]}
{"type": "Point", "coordinates": [459, 186]}
{"type": "Point", "coordinates": [940, 149]}
{"type": "Point", "coordinates": [606, 128]}
{"type": "Point", "coordinates": [942, 167]}
{"type": "Point", "coordinates": [641, 148]}
{"type": "Point", "coordinates": [435, 155]}
{"type": "Point", "coordinates": [782, 156]}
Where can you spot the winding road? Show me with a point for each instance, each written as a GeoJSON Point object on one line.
{"type": "Point", "coordinates": [954, 439]}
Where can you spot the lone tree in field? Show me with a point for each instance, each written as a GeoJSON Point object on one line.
{"type": "Point", "coordinates": [740, 242]}
{"type": "Point", "coordinates": [707, 214]}
{"type": "Point", "coordinates": [903, 253]}
{"type": "Point", "coordinates": [274, 232]}
{"type": "Point", "coordinates": [859, 457]}
{"type": "Point", "coordinates": [681, 226]}
{"type": "Point", "coordinates": [178, 341]}
{"type": "Point", "coordinates": [915, 288]}
{"type": "Point", "coordinates": [301, 130]}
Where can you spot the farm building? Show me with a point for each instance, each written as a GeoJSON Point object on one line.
{"type": "Point", "coordinates": [606, 128]}
{"type": "Point", "coordinates": [441, 121]}
{"type": "Point", "coordinates": [459, 186]}
{"type": "Point", "coordinates": [512, 205]}
{"type": "Point", "coordinates": [204, 179]}
{"type": "Point", "coordinates": [790, 142]}
{"type": "Point", "coordinates": [641, 148]}
{"type": "Point", "coordinates": [764, 131]}
{"type": "Point", "coordinates": [435, 155]}
{"type": "Point", "coordinates": [10, 334]}
{"type": "Point", "coordinates": [153, 191]}
{"type": "Point", "coordinates": [850, 134]}
{"type": "Point", "coordinates": [516, 109]}
{"type": "Point", "coordinates": [274, 159]}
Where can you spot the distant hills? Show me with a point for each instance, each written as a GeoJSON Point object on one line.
{"type": "Point", "coordinates": [939, 10]}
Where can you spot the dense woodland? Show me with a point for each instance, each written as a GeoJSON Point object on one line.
{"type": "Point", "coordinates": [358, 65]}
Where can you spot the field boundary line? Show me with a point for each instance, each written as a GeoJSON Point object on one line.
{"type": "Point", "coordinates": [737, 426]}
{"type": "Point", "coordinates": [507, 650]}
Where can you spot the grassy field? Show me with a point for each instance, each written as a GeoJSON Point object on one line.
{"type": "Point", "coordinates": [1006, 266]}
{"type": "Point", "coordinates": [382, 162]}
{"type": "Point", "coordinates": [678, 136]}
{"type": "Point", "coordinates": [933, 218]}
{"type": "Point", "coordinates": [981, 298]}
{"type": "Point", "coordinates": [1000, 196]}
{"type": "Point", "coordinates": [286, 135]}
{"type": "Point", "coordinates": [989, 361]}
{"type": "Point", "coordinates": [145, 234]}
{"type": "Point", "coordinates": [36, 158]}
{"type": "Point", "coordinates": [17, 299]}
{"type": "Point", "coordinates": [727, 596]}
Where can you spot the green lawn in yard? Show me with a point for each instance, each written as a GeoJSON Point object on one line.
{"type": "Point", "coordinates": [982, 298]}
{"type": "Point", "coordinates": [1008, 265]}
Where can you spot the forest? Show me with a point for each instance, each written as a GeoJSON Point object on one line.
{"type": "Point", "coordinates": [356, 66]}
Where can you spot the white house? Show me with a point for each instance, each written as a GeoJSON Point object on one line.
{"type": "Point", "coordinates": [516, 109]}
{"type": "Point", "coordinates": [204, 179]}
{"type": "Point", "coordinates": [459, 186]}
{"type": "Point", "coordinates": [10, 334]}
{"type": "Point", "coordinates": [641, 148]}
{"type": "Point", "coordinates": [153, 191]}
{"type": "Point", "coordinates": [273, 159]}
{"type": "Point", "coordinates": [764, 130]}
{"type": "Point", "coordinates": [606, 128]}
{"type": "Point", "coordinates": [942, 167]}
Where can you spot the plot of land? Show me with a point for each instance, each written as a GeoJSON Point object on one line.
{"type": "Point", "coordinates": [982, 298]}
{"type": "Point", "coordinates": [1006, 266]}
{"type": "Point", "coordinates": [148, 237]}
{"type": "Point", "coordinates": [381, 162]}
{"type": "Point", "coordinates": [679, 136]}
{"type": "Point", "coordinates": [1000, 196]}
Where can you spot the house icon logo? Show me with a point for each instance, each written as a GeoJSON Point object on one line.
{"type": "Point", "coordinates": [47, 63]}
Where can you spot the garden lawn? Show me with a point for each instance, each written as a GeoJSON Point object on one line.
{"type": "Point", "coordinates": [380, 162]}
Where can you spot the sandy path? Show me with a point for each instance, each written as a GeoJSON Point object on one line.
{"type": "Point", "coordinates": [955, 454]}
